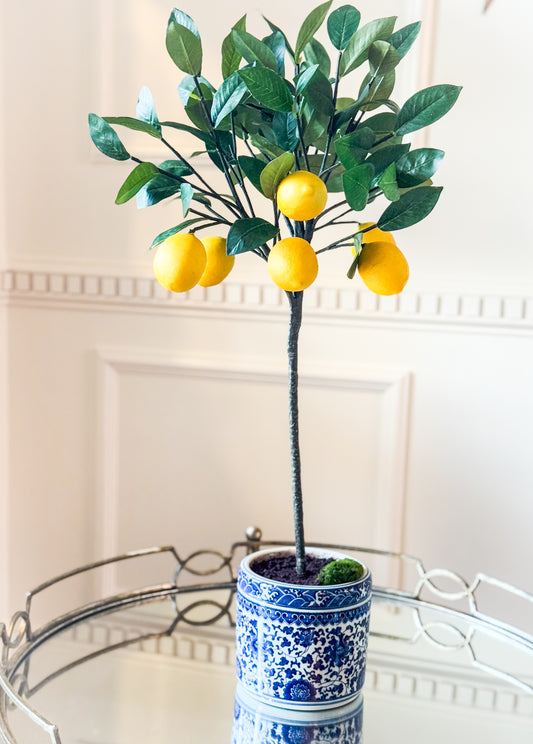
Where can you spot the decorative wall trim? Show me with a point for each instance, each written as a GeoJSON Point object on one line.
{"type": "Point", "coordinates": [387, 673]}
{"type": "Point", "coordinates": [392, 385]}
{"type": "Point", "coordinates": [78, 291]}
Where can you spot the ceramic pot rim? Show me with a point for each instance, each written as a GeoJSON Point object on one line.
{"type": "Point", "coordinates": [321, 552]}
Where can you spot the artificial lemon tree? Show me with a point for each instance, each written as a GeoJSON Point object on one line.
{"type": "Point", "coordinates": [316, 134]}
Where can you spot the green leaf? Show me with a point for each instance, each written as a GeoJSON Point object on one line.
{"type": "Point", "coordinates": [252, 169]}
{"type": "Point", "coordinates": [335, 184]}
{"type": "Point", "coordinates": [268, 88]}
{"type": "Point", "coordinates": [139, 126]}
{"type": "Point", "coordinates": [316, 125]}
{"type": "Point", "coordinates": [310, 26]}
{"type": "Point", "coordinates": [318, 94]}
{"type": "Point", "coordinates": [182, 19]}
{"type": "Point", "coordinates": [410, 208]}
{"type": "Point", "coordinates": [315, 54]}
{"type": "Point", "coordinates": [381, 159]}
{"type": "Point", "coordinates": [357, 182]}
{"type": "Point", "coordinates": [357, 50]}
{"type": "Point", "coordinates": [276, 43]}
{"type": "Point", "coordinates": [426, 107]}
{"type": "Point", "coordinates": [146, 110]}
{"type": "Point", "coordinates": [274, 173]}
{"type": "Point", "coordinates": [417, 166]}
{"type": "Point", "coordinates": [285, 128]}
{"type": "Point", "coordinates": [159, 188]}
{"type": "Point", "coordinates": [231, 58]}
{"type": "Point", "coordinates": [227, 98]}
{"type": "Point", "coordinates": [106, 139]}
{"type": "Point", "coordinates": [315, 162]}
{"type": "Point", "coordinates": [184, 47]}
{"type": "Point", "coordinates": [342, 25]}
{"type": "Point", "coordinates": [187, 89]}
{"type": "Point", "coordinates": [388, 183]}
{"type": "Point", "coordinates": [275, 28]}
{"type": "Point", "coordinates": [267, 148]}
{"type": "Point", "coordinates": [187, 193]}
{"type": "Point", "coordinates": [140, 175]}
{"type": "Point", "coordinates": [175, 168]}
{"type": "Point", "coordinates": [404, 38]}
{"type": "Point", "coordinates": [173, 230]}
{"type": "Point", "coordinates": [254, 50]}
{"type": "Point", "coordinates": [381, 124]}
{"type": "Point", "coordinates": [378, 92]}
{"type": "Point", "coordinates": [248, 234]}
{"type": "Point", "coordinates": [304, 78]}
{"type": "Point", "coordinates": [353, 148]}
{"type": "Point", "coordinates": [357, 242]}
{"type": "Point", "coordinates": [382, 58]}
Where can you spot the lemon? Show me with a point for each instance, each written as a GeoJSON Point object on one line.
{"type": "Point", "coordinates": [302, 196]}
{"type": "Point", "coordinates": [219, 264]}
{"type": "Point", "coordinates": [372, 236]}
{"type": "Point", "coordinates": [383, 268]}
{"type": "Point", "coordinates": [180, 262]}
{"type": "Point", "coordinates": [292, 264]}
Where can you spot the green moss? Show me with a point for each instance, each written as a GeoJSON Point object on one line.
{"type": "Point", "coordinates": [340, 572]}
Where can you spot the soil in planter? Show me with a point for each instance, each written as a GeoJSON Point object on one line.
{"type": "Point", "coordinates": [282, 567]}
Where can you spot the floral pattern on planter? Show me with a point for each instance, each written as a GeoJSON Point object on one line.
{"type": "Point", "coordinates": [257, 723]}
{"type": "Point", "coordinates": [301, 658]}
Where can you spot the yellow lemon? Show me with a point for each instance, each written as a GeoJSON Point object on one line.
{"type": "Point", "coordinates": [180, 262]}
{"type": "Point", "coordinates": [372, 236]}
{"type": "Point", "coordinates": [219, 264]}
{"type": "Point", "coordinates": [292, 264]}
{"type": "Point", "coordinates": [302, 196]}
{"type": "Point", "coordinates": [383, 268]}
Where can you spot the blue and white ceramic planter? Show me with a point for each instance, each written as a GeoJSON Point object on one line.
{"type": "Point", "coordinates": [301, 647]}
{"type": "Point", "coordinates": [258, 723]}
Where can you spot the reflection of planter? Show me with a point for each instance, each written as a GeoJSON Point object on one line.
{"type": "Point", "coordinates": [258, 723]}
{"type": "Point", "coordinates": [301, 646]}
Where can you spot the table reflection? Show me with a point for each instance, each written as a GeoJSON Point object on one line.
{"type": "Point", "coordinates": [258, 723]}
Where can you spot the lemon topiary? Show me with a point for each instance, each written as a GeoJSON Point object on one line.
{"type": "Point", "coordinates": [288, 141]}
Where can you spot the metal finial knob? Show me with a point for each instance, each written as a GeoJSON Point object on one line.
{"type": "Point", "coordinates": [253, 534]}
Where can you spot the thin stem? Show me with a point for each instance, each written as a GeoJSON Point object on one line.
{"type": "Point", "coordinates": [219, 221]}
{"type": "Point", "coordinates": [289, 225]}
{"type": "Point", "coordinates": [341, 241]}
{"type": "Point", "coordinates": [383, 139]}
{"type": "Point", "coordinates": [330, 126]}
{"type": "Point", "coordinates": [239, 171]}
{"type": "Point", "coordinates": [276, 218]}
{"type": "Point", "coordinates": [329, 209]}
{"type": "Point", "coordinates": [185, 162]}
{"type": "Point", "coordinates": [295, 322]}
{"type": "Point", "coordinates": [207, 192]}
{"type": "Point", "coordinates": [334, 220]}
{"type": "Point", "coordinates": [300, 132]}
{"type": "Point", "coordinates": [228, 170]}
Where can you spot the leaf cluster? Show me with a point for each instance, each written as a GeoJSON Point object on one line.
{"type": "Point", "coordinates": [279, 108]}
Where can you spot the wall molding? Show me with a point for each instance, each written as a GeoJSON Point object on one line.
{"type": "Point", "coordinates": [80, 291]}
{"type": "Point", "coordinates": [392, 385]}
{"type": "Point", "coordinates": [388, 673]}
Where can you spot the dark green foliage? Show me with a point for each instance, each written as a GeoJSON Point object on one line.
{"type": "Point", "coordinates": [411, 208]}
{"type": "Point", "coordinates": [139, 176]}
{"type": "Point", "coordinates": [278, 109]}
{"type": "Point", "coordinates": [248, 234]}
{"type": "Point", "coordinates": [106, 139]}
{"type": "Point", "coordinates": [426, 107]}
{"type": "Point", "coordinates": [310, 26]}
{"type": "Point", "coordinates": [342, 25]}
{"type": "Point", "coordinates": [342, 571]}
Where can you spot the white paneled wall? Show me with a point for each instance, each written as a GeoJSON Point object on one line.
{"type": "Point", "coordinates": [138, 418]}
